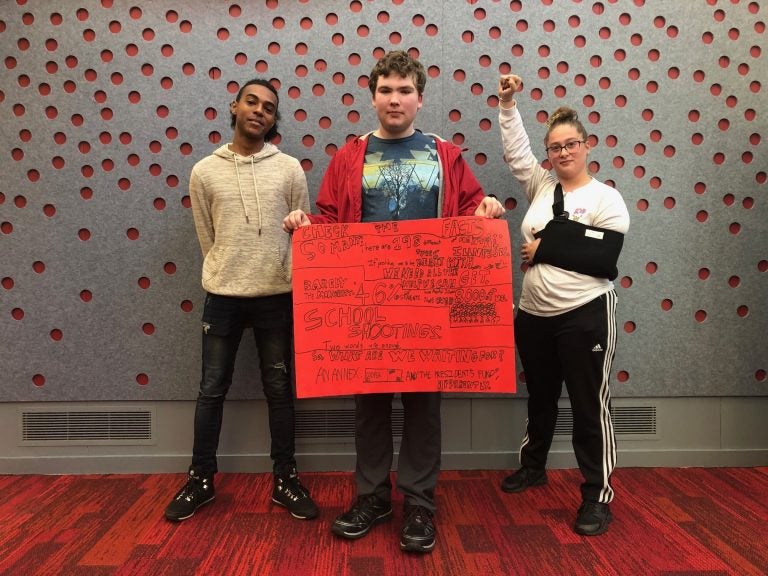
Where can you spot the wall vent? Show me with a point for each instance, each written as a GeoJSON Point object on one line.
{"type": "Point", "coordinates": [632, 422]}
{"type": "Point", "coordinates": [81, 426]}
{"type": "Point", "coordinates": [628, 421]}
{"type": "Point", "coordinates": [321, 425]}
{"type": "Point", "coordinates": [123, 426]}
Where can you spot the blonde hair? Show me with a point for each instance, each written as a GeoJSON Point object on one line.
{"type": "Point", "coordinates": [565, 115]}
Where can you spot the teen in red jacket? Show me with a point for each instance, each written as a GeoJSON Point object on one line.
{"type": "Point", "coordinates": [396, 173]}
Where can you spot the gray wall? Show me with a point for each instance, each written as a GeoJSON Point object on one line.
{"type": "Point", "coordinates": [107, 105]}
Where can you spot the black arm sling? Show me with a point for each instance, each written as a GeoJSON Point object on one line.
{"type": "Point", "coordinates": [574, 246]}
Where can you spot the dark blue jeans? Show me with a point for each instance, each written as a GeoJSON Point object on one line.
{"type": "Point", "coordinates": [224, 320]}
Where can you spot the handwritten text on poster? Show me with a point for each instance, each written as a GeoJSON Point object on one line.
{"type": "Point", "coordinates": [418, 305]}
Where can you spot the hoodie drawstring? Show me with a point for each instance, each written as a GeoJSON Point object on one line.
{"type": "Point", "coordinates": [240, 190]}
{"type": "Point", "coordinates": [256, 188]}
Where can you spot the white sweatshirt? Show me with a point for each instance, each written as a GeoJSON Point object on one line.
{"type": "Point", "coordinates": [549, 290]}
{"type": "Point", "coordinates": [238, 205]}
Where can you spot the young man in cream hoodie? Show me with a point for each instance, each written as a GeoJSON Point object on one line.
{"type": "Point", "coordinates": [240, 195]}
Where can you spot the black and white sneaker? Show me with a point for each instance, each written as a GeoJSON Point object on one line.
{"type": "Point", "coordinates": [197, 491]}
{"type": "Point", "coordinates": [356, 522]}
{"type": "Point", "coordinates": [290, 493]}
{"type": "Point", "coordinates": [418, 533]}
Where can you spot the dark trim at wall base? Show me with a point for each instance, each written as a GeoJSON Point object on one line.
{"type": "Point", "coordinates": [257, 463]}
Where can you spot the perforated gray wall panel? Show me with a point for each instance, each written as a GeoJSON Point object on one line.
{"type": "Point", "coordinates": [107, 105]}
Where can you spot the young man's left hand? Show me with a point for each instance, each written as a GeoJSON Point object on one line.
{"type": "Point", "coordinates": [489, 208]}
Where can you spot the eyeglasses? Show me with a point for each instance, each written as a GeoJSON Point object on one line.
{"type": "Point", "coordinates": [571, 146]}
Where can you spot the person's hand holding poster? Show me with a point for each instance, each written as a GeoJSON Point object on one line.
{"type": "Point", "coordinates": [416, 305]}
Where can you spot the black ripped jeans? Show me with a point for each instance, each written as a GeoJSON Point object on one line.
{"type": "Point", "coordinates": [224, 320]}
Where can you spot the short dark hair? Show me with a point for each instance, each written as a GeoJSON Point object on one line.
{"type": "Point", "coordinates": [398, 62]}
{"type": "Point", "coordinates": [267, 84]}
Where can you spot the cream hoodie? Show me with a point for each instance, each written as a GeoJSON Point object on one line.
{"type": "Point", "coordinates": [238, 204]}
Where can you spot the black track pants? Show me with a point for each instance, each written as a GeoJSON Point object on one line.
{"type": "Point", "coordinates": [576, 347]}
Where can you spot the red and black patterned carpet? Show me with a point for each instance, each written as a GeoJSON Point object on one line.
{"type": "Point", "coordinates": [667, 521]}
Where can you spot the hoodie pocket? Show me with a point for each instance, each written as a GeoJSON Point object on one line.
{"type": "Point", "coordinates": [211, 264]}
{"type": "Point", "coordinates": [284, 262]}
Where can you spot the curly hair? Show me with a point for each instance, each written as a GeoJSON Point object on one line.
{"type": "Point", "coordinates": [398, 62]}
{"type": "Point", "coordinates": [565, 115]}
{"type": "Point", "coordinates": [267, 84]}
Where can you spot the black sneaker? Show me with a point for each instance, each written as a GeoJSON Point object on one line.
{"type": "Point", "coordinates": [418, 533]}
{"type": "Point", "coordinates": [197, 491]}
{"type": "Point", "coordinates": [523, 479]}
{"type": "Point", "coordinates": [291, 493]}
{"type": "Point", "coordinates": [358, 520]}
{"type": "Point", "coordinates": [592, 519]}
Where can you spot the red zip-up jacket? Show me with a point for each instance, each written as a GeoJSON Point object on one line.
{"type": "Point", "coordinates": [340, 199]}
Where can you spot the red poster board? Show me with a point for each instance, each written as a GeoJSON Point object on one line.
{"type": "Point", "coordinates": [408, 306]}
